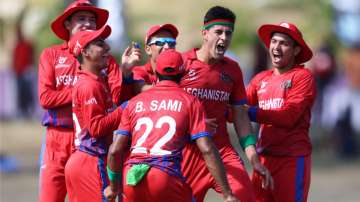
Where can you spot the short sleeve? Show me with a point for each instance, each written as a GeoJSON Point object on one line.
{"type": "Point", "coordinates": [197, 126]}
{"type": "Point", "coordinates": [124, 127]}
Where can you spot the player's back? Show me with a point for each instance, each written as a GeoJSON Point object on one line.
{"type": "Point", "coordinates": [161, 116]}
{"type": "Point", "coordinates": [161, 121]}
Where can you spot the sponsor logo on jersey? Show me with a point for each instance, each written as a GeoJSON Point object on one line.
{"type": "Point", "coordinates": [192, 75]}
{"type": "Point", "coordinates": [91, 101]}
{"type": "Point", "coordinates": [61, 62]}
{"type": "Point", "coordinates": [286, 84]}
{"type": "Point", "coordinates": [262, 87]}
{"type": "Point", "coordinates": [273, 103]}
{"type": "Point", "coordinates": [209, 94]}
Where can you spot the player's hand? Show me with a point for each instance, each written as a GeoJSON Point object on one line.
{"type": "Point", "coordinates": [109, 194]}
{"type": "Point", "coordinates": [231, 198]}
{"type": "Point", "coordinates": [131, 56]}
{"type": "Point", "coordinates": [267, 180]}
{"type": "Point", "coordinates": [211, 125]}
{"type": "Point", "coordinates": [246, 107]}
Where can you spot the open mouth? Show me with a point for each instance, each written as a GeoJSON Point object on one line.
{"type": "Point", "coordinates": [220, 48]}
{"type": "Point", "coordinates": [277, 56]}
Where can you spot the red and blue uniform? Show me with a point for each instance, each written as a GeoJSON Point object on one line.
{"type": "Point", "coordinates": [57, 75]}
{"type": "Point", "coordinates": [94, 119]}
{"type": "Point", "coordinates": [216, 86]}
{"type": "Point", "coordinates": [160, 122]}
{"type": "Point", "coordinates": [140, 75]}
{"type": "Point", "coordinates": [282, 105]}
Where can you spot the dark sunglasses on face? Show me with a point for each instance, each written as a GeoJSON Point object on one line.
{"type": "Point", "coordinates": [162, 41]}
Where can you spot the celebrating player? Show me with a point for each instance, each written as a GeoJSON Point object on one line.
{"type": "Point", "coordinates": [158, 38]}
{"type": "Point", "coordinates": [217, 81]}
{"type": "Point", "coordinates": [159, 122]}
{"type": "Point", "coordinates": [85, 171]}
{"type": "Point", "coordinates": [282, 98]}
{"type": "Point", "coordinates": [57, 75]}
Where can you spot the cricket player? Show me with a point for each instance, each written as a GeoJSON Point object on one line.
{"type": "Point", "coordinates": [94, 117]}
{"type": "Point", "coordinates": [218, 81]}
{"type": "Point", "coordinates": [281, 99]}
{"type": "Point", "coordinates": [159, 122]}
{"type": "Point", "coordinates": [57, 76]}
{"type": "Point", "coordinates": [139, 78]}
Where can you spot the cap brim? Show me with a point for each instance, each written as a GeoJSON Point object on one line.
{"type": "Point", "coordinates": [103, 33]}
{"type": "Point", "coordinates": [267, 30]}
{"type": "Point", "coordinates": [58, 26]}
{"type": "Point", "coordinates": [169, 27]}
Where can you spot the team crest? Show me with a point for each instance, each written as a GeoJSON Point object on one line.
{"type": "Point", "coordinates": [225, 77]}
{"type": "Point", "coordinates": [286, 84]}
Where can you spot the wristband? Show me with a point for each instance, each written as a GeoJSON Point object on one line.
{"type": "Point", "coordinates": [113, 176]}
{"type": "Point", "coordinates": [248, 140]}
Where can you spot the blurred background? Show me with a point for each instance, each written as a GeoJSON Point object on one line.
{"type": "Point", "coordinates": [331, 28]}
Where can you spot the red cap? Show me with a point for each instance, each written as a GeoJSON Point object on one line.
{"type": "Point", "coordinates": [169, 59]}
{"type": "Point", "coordinates": [83, 38]}
{"type": "Point", "coordinates": [168, 27]}
{"type": "Point", "coordinates": [265, 33]}
{"type": "Point", "coordinates": [58, 26]}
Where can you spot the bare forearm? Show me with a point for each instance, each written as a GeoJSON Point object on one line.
{"type": "Point", "coordinates": [217, 170]}
{"type": "Point", "coordinates": [115, 164]}
{"type": "Point", "coordinates": [241, 121]}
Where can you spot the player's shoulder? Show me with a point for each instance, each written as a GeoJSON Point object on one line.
{"type": "Point", "coordinates": [231, 66]}
{"type": "Point", "coordinates": [141, 96]}
{"type": "Point", "coordinates": [139, 68]}
{"type": "Point", "coordinates": [188, 54]}
{"type": "Point", "coordinates": [55, 51]}
{"type": "Point", "coordinates": [189, 98]}
{"type": "Point", "coordinates": [303, 72]}
{"type": "Point", "coordinates": [264, 73]}
{"type": "Point", "coordinates": [56, 47]}
{"type": "Point", "coordinates": [112, 60]}
{"type": "Point", "coordinates": [231, 62]}
{"type": "Point", "coordinates": [87, 81]}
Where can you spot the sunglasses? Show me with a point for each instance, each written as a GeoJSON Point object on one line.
{"type": "Point", "coordinates": [162, 41]}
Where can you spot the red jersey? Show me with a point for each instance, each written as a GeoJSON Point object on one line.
{"type": "Point", "coordinates": [283, 109]}
{"type": "Point", "coordinates": [93, 121]}
{"type": "Point", "coordinates": [160, 121]}
{"type": "Point", "coordinates": [145, 73]}
{"type": "Point", "coordinates": [216, 86]}
{"type": "Point", "coordinates": [140, 74]}
{"type": "Point", "coordinates": [57, 75]}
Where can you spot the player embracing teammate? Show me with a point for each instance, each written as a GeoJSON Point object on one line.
{"type": "Point", "coordinates": [158, 132]}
